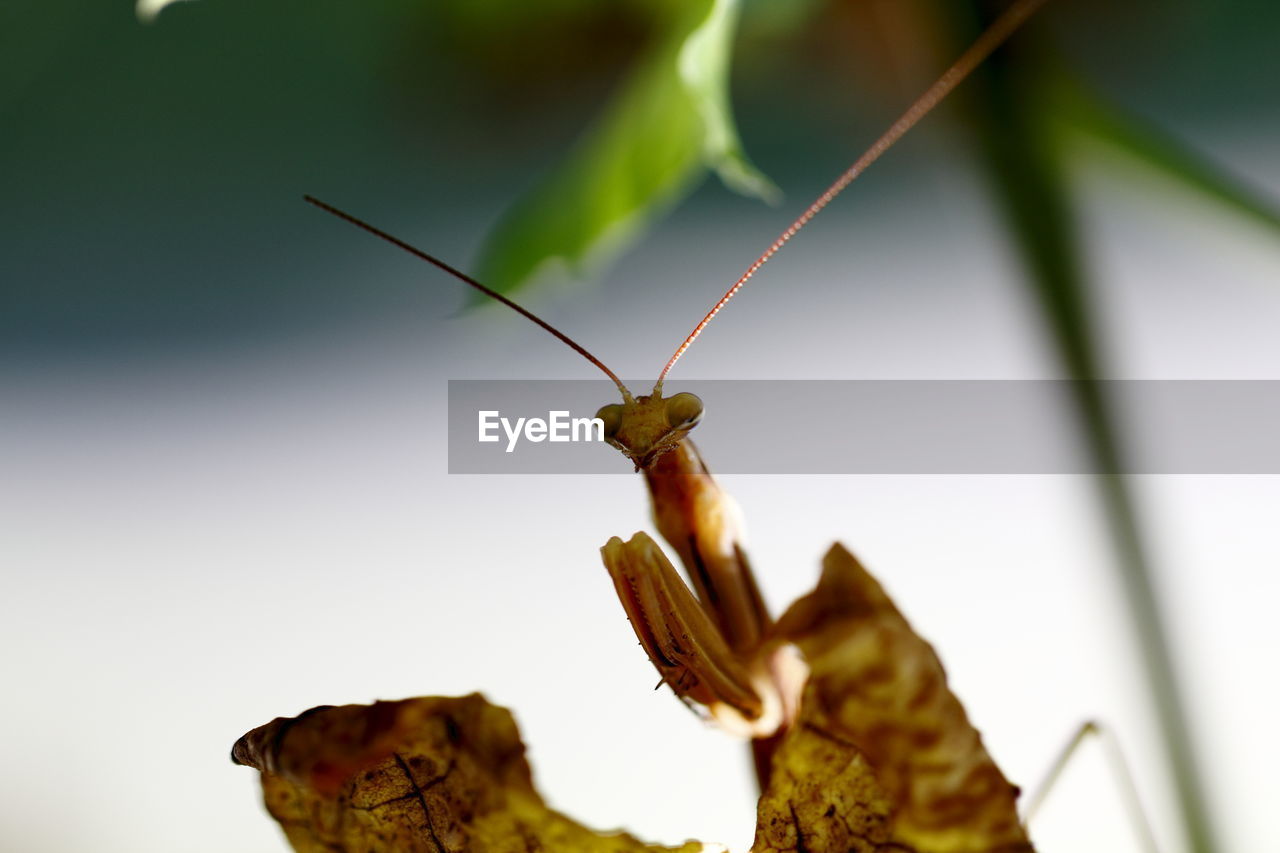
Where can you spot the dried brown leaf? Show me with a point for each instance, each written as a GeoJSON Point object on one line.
{"type": "Point", "coordinates": [427, 775]}
{"type": "Point", "coordinates": [882, 756]}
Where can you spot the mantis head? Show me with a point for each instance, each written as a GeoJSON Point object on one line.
{"type": "Point", "coordinates": [644, 428]}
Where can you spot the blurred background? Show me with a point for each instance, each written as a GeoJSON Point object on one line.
{"type": "Point", "coordinates": [223, 487]}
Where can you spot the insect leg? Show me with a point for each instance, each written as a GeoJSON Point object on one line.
{"type": "Point", "coordinates": [683, 643]}
{"type": "Point", "coordinates": [1119, 769]}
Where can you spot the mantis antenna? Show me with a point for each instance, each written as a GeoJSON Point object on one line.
{"type": "Point", "coordinates": [463, 277]}
{"type": "Point", "coordinates": [1000, 29]}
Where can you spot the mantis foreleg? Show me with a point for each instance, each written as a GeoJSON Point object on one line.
{"type": "Point", "coordinates": [685, 646]}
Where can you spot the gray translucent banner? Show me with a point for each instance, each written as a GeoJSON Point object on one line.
{"type": "Point", "coordinates": [886, 427]}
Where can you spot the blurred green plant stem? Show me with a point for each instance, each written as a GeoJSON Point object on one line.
{"type": "Point", "coordinates": [1006, 102]}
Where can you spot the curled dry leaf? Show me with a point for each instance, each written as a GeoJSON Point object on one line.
{"type": "Point", "coordinates": [427, 775]}
{"type": "Point", "coordinates": [882, 756]}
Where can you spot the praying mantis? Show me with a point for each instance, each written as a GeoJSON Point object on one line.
{"type": "Point", "coordinates": [718, 647]}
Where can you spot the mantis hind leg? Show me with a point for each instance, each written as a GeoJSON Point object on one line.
{"type": "Point", "coordinates": [1094, 730]}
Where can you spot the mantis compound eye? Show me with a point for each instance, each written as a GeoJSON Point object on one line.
{"type": "Point", "coordinates": [684, 410]}
{"type": "Point", "coordinates": [612, 417]}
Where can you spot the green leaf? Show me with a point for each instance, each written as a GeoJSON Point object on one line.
{"type": "Point", "coordinates": [704, 68]}
{"type": "Point", "coordinates": [666, 125]}
{"type": "Point", "coordinates": [148, 10]}
{"type": "Point", "coordinates": [1090, 114]}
